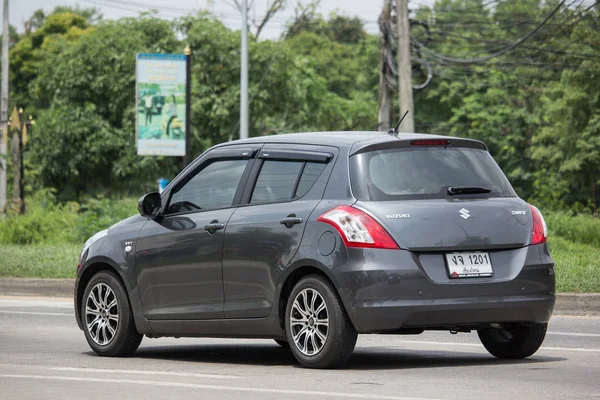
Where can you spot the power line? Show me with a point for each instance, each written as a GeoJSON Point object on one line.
{"type": "Point", "coordinates": [497, 54]}
{"type": "Point", "coordinates": [501, 43]}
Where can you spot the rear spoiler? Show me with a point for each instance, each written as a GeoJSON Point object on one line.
{"type": "Point", "coordinates": [414, 141]}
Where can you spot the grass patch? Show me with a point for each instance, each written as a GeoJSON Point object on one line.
{"type": "Point", "coordinates": [577, 266]}
{"type": "Point", "coordinates": [39, 261]}
{"type": "Point", "coordinates": [583, 229]}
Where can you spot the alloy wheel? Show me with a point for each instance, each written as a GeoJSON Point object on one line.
{"type": "Point", "coordinates": [309, 322]}
{"type": "Point", "coordinates": [102, 314]}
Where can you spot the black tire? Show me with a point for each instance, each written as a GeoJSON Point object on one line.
{"type": "Point", "coordinates": [126, 338]}
{"type": "Point", "coordinates": [520, 341]}
{"type": "Point", "coordinates": [282, 343]}
{"type": "Point", "coordinates": [341, 335]}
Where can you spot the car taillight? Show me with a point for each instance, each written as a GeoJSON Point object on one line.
{"type": "Point", "coordinates": [358, 229]}
{"type": "Point", "coordinates": [540, 230]}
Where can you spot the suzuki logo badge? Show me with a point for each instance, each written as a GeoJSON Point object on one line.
{"type": "Point", "coordinates": [464, 213]}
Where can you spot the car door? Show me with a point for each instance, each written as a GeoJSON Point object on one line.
{"type": "Point", "coordinates": [263, 234]}
{"type": "Point", "coordinates": [179, 256]}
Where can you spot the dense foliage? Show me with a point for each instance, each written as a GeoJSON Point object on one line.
{"type": "Point", "coordinates": [537, 107]}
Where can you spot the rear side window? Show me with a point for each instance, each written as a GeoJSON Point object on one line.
{"type": "Point", "coordinates": [309, 177]}
{"type": "Point", "coordinates": [425, 173]}
{"type": "Point", "coordinates": [285, 180]}
{"type": "Point", "coordinates": [276, 181]}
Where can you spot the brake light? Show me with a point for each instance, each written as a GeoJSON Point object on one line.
{"type": "Point", "coordinates": [540, 230]}
{"type": "Point", "coordinates": [358, 229]}
{"type": "Point", "coordinates": [430, 142]}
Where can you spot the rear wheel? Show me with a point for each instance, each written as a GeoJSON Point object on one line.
{"type": "Point", "coordinates": [107, 317]}
{"type": "Point", "coordinates": [519, 341]}
{"type": "Point", "coordinates": [318, 329]}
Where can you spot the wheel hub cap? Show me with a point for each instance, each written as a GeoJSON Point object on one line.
{"type": "Point", "coordinates": [102, 314]}
{"type": "Point", "coordinates": [309, 322]}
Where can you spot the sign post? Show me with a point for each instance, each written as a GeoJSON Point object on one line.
{"type": "Point", "coordinates": [187, 158]}
{"type": "Point", "coordinates": [162, 104]}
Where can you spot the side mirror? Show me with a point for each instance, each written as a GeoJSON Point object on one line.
{"type": "Point", "coordinates": [149, 205]}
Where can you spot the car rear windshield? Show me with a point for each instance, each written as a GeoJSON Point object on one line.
{"type": "Point", "coordinates": [425, 173]}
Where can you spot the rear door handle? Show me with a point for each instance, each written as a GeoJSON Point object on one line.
{"type": "Point", "coordinates": [214, 226]}
{"type": "Point", "coordinates": [291, 220]}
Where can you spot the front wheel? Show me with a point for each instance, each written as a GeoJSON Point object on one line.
{"type": "Point", "coordinates": [514, 342]}
{"type": "Point", "coordinates": [318, 329]}
{"type": "Point", "coordinates": [107, 317]}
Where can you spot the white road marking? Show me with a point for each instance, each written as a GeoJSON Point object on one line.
{"type": "Point", "coordinates": [142, 372]}
{"type": "Point", "coordinates": [481, 346]}
{"type": "Point", "coordinates": [37, 313]}
{"type": "Point", "coordinates": [573, 334]}
{"type": "Point", "coordinates": [35, 303]}
{"type": "Point", "coordinates": [215, 387]}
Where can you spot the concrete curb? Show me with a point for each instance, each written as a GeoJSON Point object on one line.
{"type": "Point", "coordinates": [566, 303]}
{"type": "Point", "coordinates": [37, 287]}
{"type": "Point", "coordinates": [577, 304]}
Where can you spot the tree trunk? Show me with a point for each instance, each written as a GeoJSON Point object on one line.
{"type": "Point", "coordinates": [594, 202]}
{"type": "Point", "coordinates": [16, 165]}
{"type": "Point", "coordinates": [385, 94]}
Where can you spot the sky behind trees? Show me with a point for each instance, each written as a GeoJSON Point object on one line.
{"type": "Point", "coordinates": [368, 10]}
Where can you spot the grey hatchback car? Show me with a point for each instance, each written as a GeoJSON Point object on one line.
{"type": "Point", "coordinates": [312, 238]}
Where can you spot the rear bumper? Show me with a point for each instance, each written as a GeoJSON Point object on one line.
{"type": "Point", "coordinates": [451, 313]}
{"type": "Point", "coordinates": [391, 290]}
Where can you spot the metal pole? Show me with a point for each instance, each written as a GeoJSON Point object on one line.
{"type": "Point", "coordinates": [4, 109]}
{"type": "Point", "coordinates": [404, 67]}
{"type": "Point", "coordinates": [187, 158]}
{"type": "Point", "coordinates": [244, 74]}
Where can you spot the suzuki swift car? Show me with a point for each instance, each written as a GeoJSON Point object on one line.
{"type": "Point", "coordinates": [313, 238]}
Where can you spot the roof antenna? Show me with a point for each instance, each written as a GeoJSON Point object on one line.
{"type": "Point", "coordinates": [394, 132]}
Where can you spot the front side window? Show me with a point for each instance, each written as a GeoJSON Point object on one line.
{"type": "Point", "coordinates": [213, 187]}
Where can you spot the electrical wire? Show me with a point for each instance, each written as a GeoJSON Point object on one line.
{"type": "Point", "coordinates": [491, 56]}
{"type": "Point", "coordinates": [485, 42]}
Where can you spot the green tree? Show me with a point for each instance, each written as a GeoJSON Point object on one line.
{"type": "Point", "coordinates": [91, 14]}
{"type": "Point", "coordinates": [569, 142]}
{"type": "Point", "coordinates": [28, 55]}
{"type": "Point", "coordinates": [75, 148]}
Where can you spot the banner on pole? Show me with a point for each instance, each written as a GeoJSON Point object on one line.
{"type": "Point", "coordinates": [160, 104]}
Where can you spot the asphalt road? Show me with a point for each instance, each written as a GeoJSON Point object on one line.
{"type": "Point", "coordinates": [43, 355]}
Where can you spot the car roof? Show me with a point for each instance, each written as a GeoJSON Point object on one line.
{"type": "Point", "coordinates": [339, 138]}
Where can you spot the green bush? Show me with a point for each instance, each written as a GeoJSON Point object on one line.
{"type": "Point", "coordinates": [583, 229]}
{"type": "Point", "coordinates": [100, 213]}
{"type": "Point", "coordinates": [45, 222]}
{"type": "Point", "coordinates": [48, 222]}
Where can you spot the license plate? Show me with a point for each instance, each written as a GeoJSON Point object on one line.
{"type": "Point", "coordinates": [469, 265]}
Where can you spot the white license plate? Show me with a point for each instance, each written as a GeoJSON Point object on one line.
{"type": "Point", "coordinates": [469, 265]}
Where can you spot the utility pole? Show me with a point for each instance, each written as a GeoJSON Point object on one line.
{"type": "Point", "coordinates": [4, 109]}
{"type": "Point", "coordinates": [244, 74]}
{"type": "Point", "coordinates": [404, 67]}
{"type": "Point", "coordinates": [187, 158]}
{"type": "Point", "coordinates": [385, 93]}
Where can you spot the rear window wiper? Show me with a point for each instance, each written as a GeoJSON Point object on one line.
{"type": "Point", "coordinates": [453, 190]}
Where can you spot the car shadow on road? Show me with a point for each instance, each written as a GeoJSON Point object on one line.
{"type": "Point", "coordinates": [362, 359]}
{"type": "Point", "coordinates": [398, 358]}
